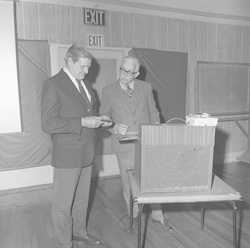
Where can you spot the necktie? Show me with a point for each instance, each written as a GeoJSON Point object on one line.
{"type": "Point", "coordinates": [128, 90]}
{"type": "Point", "coordinates": [82, 91]}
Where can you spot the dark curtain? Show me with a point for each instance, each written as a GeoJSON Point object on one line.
{"type": "Point", "coordinates": [33, 148]}
{"type": "Point", "coordinates": [167, 72]}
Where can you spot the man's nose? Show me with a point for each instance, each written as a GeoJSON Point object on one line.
{"type": "Point", "coordinates": [86, 70]}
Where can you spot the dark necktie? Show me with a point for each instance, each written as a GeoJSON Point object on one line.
{"type": "Point", "coordinates": [128, 90]}
{"type": "Point", "coordinates": [82, 91]}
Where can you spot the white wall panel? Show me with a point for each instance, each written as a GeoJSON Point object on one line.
{"type": "Point", "coordinates": [10, 117]}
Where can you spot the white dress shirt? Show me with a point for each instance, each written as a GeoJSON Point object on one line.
{"type": "Point", "coordinates": [76, 84]}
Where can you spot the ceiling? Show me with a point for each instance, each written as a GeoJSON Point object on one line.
{"type": "Point", "coordinates": [236, 10]}
{"type": "Point", "coordinates": [225, 7]}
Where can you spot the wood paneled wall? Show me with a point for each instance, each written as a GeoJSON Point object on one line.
{"type": "Point", "coordinates": [202, 40]}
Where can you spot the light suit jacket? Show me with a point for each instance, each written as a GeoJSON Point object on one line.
{"type": "Point", "coordinates": [62, 107]}
{"type": "Point", "coordinates": [115, 106]}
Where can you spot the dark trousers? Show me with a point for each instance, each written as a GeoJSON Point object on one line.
{"type": "Point", "coordinates": [70, 204]}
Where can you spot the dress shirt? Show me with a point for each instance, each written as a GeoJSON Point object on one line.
{"type": "Point", "coordinates": [124, 86]}
{"type": "Point", "coordinates": [76, 84]}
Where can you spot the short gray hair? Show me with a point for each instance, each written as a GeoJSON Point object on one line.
{"type": "Point", "coordinates": [134, 59]}
{"type": "Point", "coordinates": [77, 51]}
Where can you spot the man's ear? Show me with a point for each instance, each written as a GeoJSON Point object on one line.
{"type": "Point", "coordinates": [70, 61]}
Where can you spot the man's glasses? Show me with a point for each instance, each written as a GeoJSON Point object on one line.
{"type": "Point", "coordinates": [128, 73]}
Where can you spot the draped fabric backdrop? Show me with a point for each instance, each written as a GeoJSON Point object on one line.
{"type": "Point", "coordinates": [167, 72]}
{"type": "Point", "coordinates": [33, 148]}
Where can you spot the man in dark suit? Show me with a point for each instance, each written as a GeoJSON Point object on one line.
{"type": "Point", "coordinates": [129, 102]}
{"type": "Point", "coordinates": [68, 114]}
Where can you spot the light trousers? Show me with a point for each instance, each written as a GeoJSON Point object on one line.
{"type": "Point", "coordinates": [126, 163]}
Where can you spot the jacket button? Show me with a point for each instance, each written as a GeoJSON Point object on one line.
{"type": "Point", "coordinates": [88, 110]}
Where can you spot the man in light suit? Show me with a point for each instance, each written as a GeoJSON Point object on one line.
{"type": "Point", "coordinates": [129, 102]}
{"type": "Point", "coordinates": [68, 114]}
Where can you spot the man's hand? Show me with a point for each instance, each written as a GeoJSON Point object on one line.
{"type": "Point", "coordinates": [121, 129]}
{"type": "Point", "coordinates": [107, 121]}
{"type": "Point", "coordinates": [92, 121]}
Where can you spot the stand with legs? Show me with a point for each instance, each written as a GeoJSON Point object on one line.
{"type": "Point", "coordinates": [220, 192]}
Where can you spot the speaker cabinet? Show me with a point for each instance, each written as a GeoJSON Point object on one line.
{"type": "Point", "coordinates": [174, 158]}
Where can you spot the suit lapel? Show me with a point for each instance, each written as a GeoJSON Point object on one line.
{"type": "Point", "coordinates": [137, 93]}
{"type": "Point", "coordinates": [68, 84]}
{"type": "Point", "coordinates": [74, 91]}
{"type": "Point", "coordinates": [83, 97]}
{"type": "Point", "coordinates": [90, 104]}
{"type": "Point", "coordinates": [120, 96]}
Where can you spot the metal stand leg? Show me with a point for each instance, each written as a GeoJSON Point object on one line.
{"type": "Point", "coordinates": [234, 223]}
{"type": "Point", "coordinates": [131, 213]}
{"type": "Point", "coordinates": [202, 217]}
{"type": "Point", "coordinates": [139, 226]}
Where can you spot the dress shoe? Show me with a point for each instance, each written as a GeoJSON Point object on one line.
{"type": "Point", "coordinates": [88, 239]}
{"type": "Point", "coordinates": [164, 225]}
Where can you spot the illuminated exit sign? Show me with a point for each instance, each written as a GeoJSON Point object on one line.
{"type": "Point", "coordinates": [94, 17]}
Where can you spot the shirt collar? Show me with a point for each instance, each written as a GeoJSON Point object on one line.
{"type": "Point", "coordinates": [68, 73]}
{"type": "Point", "coordinates": [131, 85]}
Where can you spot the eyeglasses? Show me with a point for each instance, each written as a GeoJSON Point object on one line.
{"type": "Point", "coordinates": [128, 73]}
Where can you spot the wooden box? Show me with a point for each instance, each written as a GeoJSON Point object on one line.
{"type": "Point", "coordinates": [174, 158]}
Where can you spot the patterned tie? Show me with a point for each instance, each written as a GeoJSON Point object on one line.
{"type": "Point", "coordinates": [82, 91]}
{"type": "Point", "coordinates": [128, 90]}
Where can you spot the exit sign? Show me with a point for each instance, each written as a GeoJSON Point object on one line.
{"type": "Point", "coordinates": [94, 17]}
{"type": "Point", "coordinates": [95, 40]}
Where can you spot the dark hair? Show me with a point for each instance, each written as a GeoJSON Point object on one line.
{"type": "Point", "coordinates": [77, 51]}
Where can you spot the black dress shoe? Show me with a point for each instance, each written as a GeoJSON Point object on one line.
{"type": "Point", "coordinates": [164, 225]}
{"type": "Point", "coordinates": [88, 239]}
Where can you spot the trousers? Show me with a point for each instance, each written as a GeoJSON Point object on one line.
{"type": "Point", "coordinates": [126, 163]}
{"type": "Point", "coordinates": [70, 204]}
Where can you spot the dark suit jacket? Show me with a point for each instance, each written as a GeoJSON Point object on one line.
{"type": "Point", "coordinates": [114, 105]}
{"type": "Point", "coordinates": [62, 107]}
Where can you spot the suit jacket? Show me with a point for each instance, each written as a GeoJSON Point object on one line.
{"type": "Point", "coordinates": [115, 106]}
{"type": "Point", "coordinates": [62, 107]}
